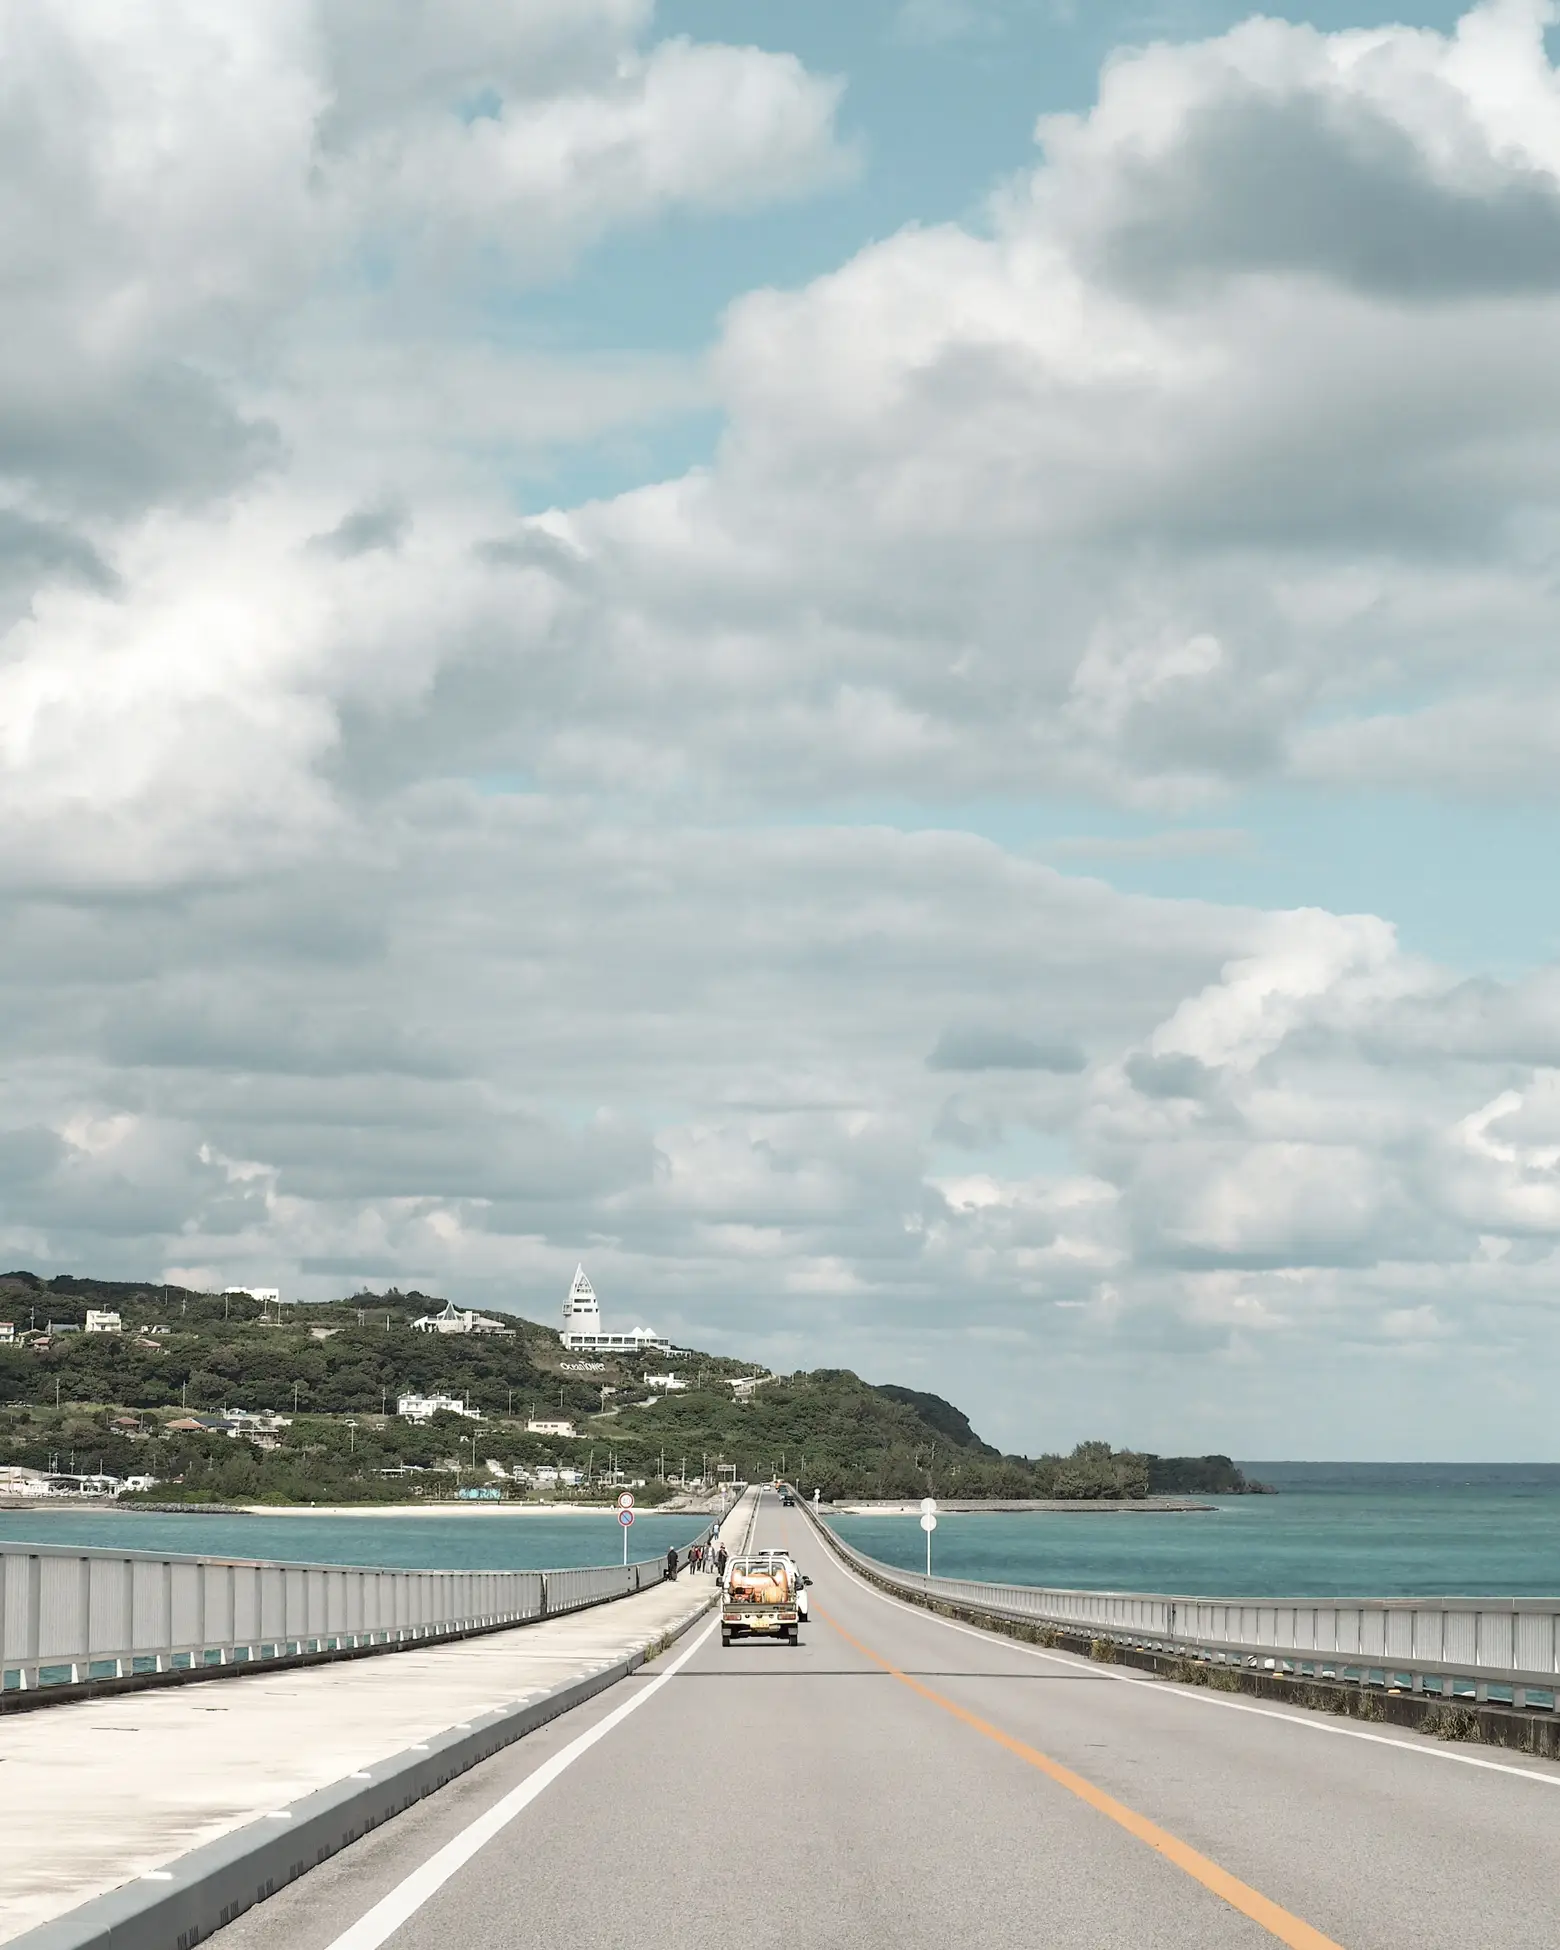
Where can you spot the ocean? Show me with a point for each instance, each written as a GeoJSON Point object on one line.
{"type": "Point", "coordinates": [1335, 1530]}
{"type": "Point", "coordinates": [485, 1541]}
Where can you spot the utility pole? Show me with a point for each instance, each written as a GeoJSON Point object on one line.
{"type": "Point", "coordinates": [295, 1398]}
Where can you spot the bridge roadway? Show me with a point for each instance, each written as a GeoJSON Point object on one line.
{"type": "Point", "coordinates": [901, 1779]}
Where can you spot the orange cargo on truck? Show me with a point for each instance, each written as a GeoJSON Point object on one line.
{"type": "Point", "coordinates": [759, 1600]}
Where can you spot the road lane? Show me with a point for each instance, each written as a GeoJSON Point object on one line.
{"type": "Point", "coordinates": [809, 1795]}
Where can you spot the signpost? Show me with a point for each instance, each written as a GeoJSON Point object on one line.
{"type": "Point", "coordinates": [928, 1524]}
{"type": "Point", "coordinates": [625, 1516]}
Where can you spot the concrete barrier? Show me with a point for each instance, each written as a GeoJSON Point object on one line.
{"type": "Point", "coordinates": [83, 1621]}
{"type": "Point", "coordinates": [1452, 1649]}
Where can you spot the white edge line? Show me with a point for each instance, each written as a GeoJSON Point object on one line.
{"type": "Point", "coordinates": [1168, 1689]}
{"type": "Point", "coordinates": [409, 1895]}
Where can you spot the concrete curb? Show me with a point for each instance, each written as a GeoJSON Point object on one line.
{"type": "Point", "coordinates": [175, 1907]}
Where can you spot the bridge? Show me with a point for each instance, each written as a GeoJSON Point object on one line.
{"type": "Point", "coordinates": [911, 1778]}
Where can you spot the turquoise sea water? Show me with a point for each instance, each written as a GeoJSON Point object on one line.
{"type": "Point", "coordinates": [489, 1542]}
{"type": "Point", "coordinates": [1335, 1530]}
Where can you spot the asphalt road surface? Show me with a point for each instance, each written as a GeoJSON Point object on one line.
{"type": "Point", "coordinates": [901, 1780]}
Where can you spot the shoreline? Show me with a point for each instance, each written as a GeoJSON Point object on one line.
{"type": "Point", "coordinates": [63, 1506]}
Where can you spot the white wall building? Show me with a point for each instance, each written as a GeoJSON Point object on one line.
{"type": "Point", "coordinates": [456, 1320]}
{"type": "Point", "coordinates": [423, 1408]}
{"type": "Point", "coordinates": [551, 1425]}
{"type": "Point", "coordinates": [583, 1332]}
{"type": "Point", "coordinates": [670, 1382]}
{"type": "Point", "coordinates": [103, 1323]}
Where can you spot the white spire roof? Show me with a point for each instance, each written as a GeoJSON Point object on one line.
{"type": "Point", "coordinates": [581, 1303]}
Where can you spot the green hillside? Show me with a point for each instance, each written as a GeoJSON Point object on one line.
{"type": "Point", "coordinates": [107, 1402]}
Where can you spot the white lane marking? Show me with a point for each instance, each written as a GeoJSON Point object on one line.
{"type": "Point", "coordinates": [1168, 1689]}
{"type": "Point", "coordinates": [408, 1896]}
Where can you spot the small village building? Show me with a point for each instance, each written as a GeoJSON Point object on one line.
{"type": "Point", "coordinates": [16, 1480]}
{"type": "Point", "coordinates": [423, 1408]}
{"type": "Point", "coordinates": [103, 1323]}
{"type": "Point", "coordinates": [552, 1425]}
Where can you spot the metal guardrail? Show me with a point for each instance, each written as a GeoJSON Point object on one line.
{"type": "Point", "coordinates": [1504, 1649]}
{"type": "Point", "coordinates": [71, 1615]}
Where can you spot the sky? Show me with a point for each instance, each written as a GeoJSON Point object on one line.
{"type": "Point", "coordinates": [887, 670]}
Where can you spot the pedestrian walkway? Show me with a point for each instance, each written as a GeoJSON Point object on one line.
{"type": "Point", "coordinates": [99, 1791]}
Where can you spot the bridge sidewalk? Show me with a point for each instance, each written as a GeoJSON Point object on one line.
{"type": "Point", "coordinates": [97, 1792]}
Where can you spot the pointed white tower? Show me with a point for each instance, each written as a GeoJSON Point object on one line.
{"type": "Point", "coordinates": [581, 1311]}
{"type": "Point", "coordinates": [584, 1333]}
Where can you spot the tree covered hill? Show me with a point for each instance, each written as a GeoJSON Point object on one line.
{"type": "Point", "coordinates": [109, 1400]}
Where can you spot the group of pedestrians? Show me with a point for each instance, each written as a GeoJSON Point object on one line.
{"type": "Point", "coordinates": [701, 1557]}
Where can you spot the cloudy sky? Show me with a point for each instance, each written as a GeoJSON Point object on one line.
{"type": "Point", "coordinates": [890, 669]}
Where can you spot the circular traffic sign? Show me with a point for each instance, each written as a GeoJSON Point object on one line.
{"type": "Point", "coordinates": [625, 1499]}
{"type": "Point", "coordinates": [928, 1505]}
{"type": "Point", "coordinates": [625, 1517]}
{"type": "Point", "coordinates": [928, 1523]}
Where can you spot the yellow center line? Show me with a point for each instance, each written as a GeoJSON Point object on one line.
{"type": "Point", "coordinates": [1239, 1895]}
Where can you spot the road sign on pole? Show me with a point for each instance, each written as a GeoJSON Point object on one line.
{"type": "Point", "coordinates": [929, 1524]}
{"type": "Point", "coordinates": [625, 1499]}
{"type": "Point", "coordinates": [928, 1506]}
{"type": "Point", "coordinates": [625, 1517]}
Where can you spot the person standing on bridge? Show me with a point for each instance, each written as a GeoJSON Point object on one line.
{"type": "Point", "coordinates": [720, 1562]}
{"type": "Point", "coordinates": [671, 1562]}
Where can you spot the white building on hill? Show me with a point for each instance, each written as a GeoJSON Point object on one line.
{"type": "Point", "coordinates": [583, 1331]}
{"type": "Point", "coordinates": [423, 1408]}
{"type": "Point", "coordinates": [456, 1320]}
